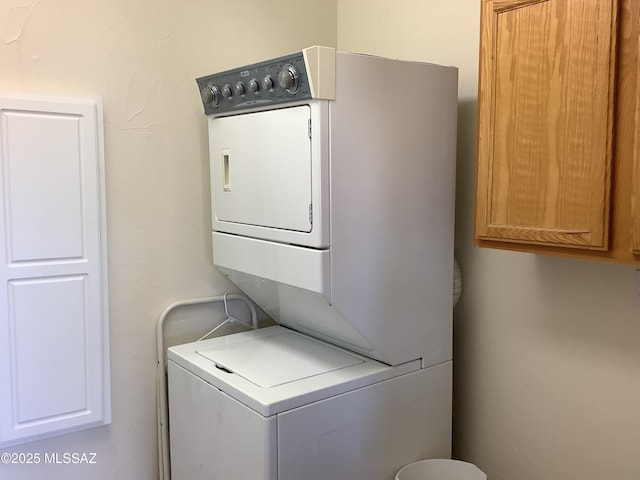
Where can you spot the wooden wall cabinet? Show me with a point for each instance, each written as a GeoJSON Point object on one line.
{"type": "Point", "coordinates": [558, 128]}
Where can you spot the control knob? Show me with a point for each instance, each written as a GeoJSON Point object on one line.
{"type": "Point", "coordinates": [267, 82]}
{"type": "Point", "coordinates": [253, 85]}
{"type": "Point", "coordinates": [239, 88]}
{"type": "Point", "coordinates": [288, 78]}
{"type": "Point", "coordinates": [226, 91]}
{"type": "Point", "coordinates": [210, 94]}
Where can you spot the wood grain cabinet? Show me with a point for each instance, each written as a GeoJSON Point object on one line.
{"type": "Point", "coordinates": [558, 128]}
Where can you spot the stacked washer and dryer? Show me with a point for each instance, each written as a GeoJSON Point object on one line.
{"type": "Point", "coordinates": [332, 180]}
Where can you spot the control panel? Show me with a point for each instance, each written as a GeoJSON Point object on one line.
{"type": "Point", "coordinates": [274, 81]}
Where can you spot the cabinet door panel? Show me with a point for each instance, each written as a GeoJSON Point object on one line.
{"type": "Point", "coordinates": [54, 343]}
{"type": "Point", "coordinates": [635, 201]}
{"type": "Point", "coordinates": [545, 121]}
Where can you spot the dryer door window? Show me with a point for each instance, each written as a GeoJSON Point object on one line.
{"type": "Point", "coordinates": [261, 168]}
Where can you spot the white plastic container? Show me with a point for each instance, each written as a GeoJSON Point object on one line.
{"type": "Point", "coordinates": [440, 469]}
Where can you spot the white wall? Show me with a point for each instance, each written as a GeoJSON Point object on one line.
{"type": "Point", "coordinates": [142, 57]}
{"type": "Point", "coordinates": [547, 349]}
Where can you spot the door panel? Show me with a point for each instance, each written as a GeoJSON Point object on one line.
{"type": "Point", "coordinates": [54, 351]}
{"type": "Point", "coordinates": [546, 117]}
{"type": "Point", "coordinates": [261, 168]}
{"type": "Point", "coordinates": [635, 203]}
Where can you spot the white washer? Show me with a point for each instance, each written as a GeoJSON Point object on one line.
{"type": "Point", "coordinates": [275, 404]}
{"type": "Point", "coordinates": [332, 180]}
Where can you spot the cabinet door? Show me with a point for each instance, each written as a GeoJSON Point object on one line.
{"type": "Point", "coordinates": [635, 203]}
{"type": "Point", "coordinates": [545, 121]}
{"type": "Point", "coordinates": [54, 351]}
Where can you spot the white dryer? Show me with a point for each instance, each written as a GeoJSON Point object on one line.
{"type": "Point", "coordinates": [332, 197]}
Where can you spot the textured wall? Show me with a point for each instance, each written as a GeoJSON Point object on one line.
{"type": "Point", "coordinates": [546, 350]}
{"type": "Point", "coordinates": [141, 57]}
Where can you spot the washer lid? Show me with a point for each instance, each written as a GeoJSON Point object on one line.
{"type": "Point", "coordinates": [313, 369]}
{"type": "Point", "coordinates": [277, 359]}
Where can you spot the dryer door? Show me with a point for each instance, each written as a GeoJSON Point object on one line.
{"type": "Point", "coordinates": [261, 168]}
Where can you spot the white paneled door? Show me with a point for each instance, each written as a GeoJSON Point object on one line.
{"type": "Point", "coordinates": [54, 350]}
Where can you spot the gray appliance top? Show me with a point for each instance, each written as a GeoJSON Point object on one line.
{"type": "Point", "coordinates": [280, 80]}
